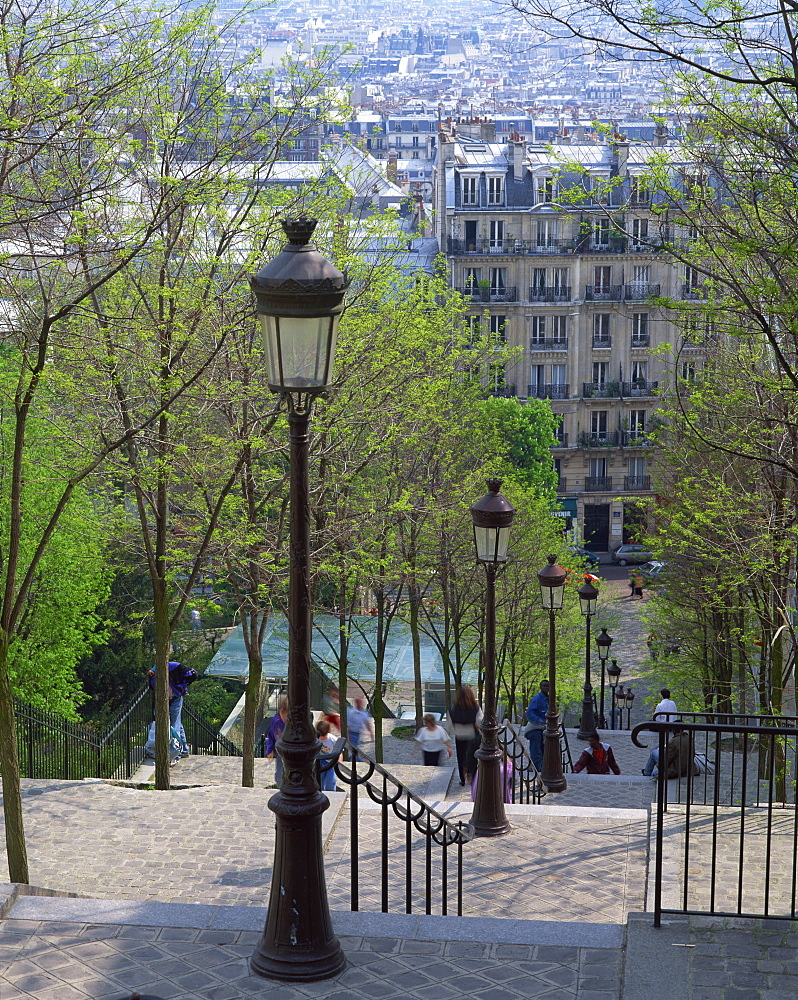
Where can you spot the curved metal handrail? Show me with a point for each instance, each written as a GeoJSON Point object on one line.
{"type": "Point", "coordinates": [532, 787]}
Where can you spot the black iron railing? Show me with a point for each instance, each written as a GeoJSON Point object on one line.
{"type": "Point", "coordinates": [522, 782]}
{"type": "Point", "coordinates": [122, 743]}
{"type": "Point", "coordinates": [202, 738]}
{"type": "Point", "coordinates": [417, 851]}
{"type": "Point", "coordinates": [726, 834]}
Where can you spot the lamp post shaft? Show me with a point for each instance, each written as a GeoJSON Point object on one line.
{"type": "Point", "coordinates": [489, 818]}
{"type": "Point", "coordinates": [587, 723]}
{"type": "Point", "coordinates": [552, 774]}
{"type": "Point", "coordinates": [602, 717]}
{"type": "Point", "coordinates": [298, 943]}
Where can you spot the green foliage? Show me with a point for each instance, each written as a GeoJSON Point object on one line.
{"type": "Point", "coordinates": [212, 700]}
{"type": "Point", "coordinates": [528, 434]}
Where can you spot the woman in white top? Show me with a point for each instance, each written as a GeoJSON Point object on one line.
{"type": "Point", "coordinates": [433, 738]}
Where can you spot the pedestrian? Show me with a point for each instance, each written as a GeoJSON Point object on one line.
{"type": "Point", "coordinates": [358, 723]}
{"type": "Point", "coordinates": [637, 584]}
{"type": "Point", "coordinates": [465, 715]}
{"type": "Point", "coordinates": [653, 647]}
{"type": "Point", "coordinates": [680, 758]}
{"type": "Point", "coordinates": [273, 734]}
{"type": "Point", "coordinates": [536, 716]}
{"type": "Point", "coordinates": [331, 709]}
{"type": "Point", "coordinates": [666, 710]}
{"type": "Point", "coordinates": [180, 677]}
{"type": "Point", "coordinates": [597, 757]}
{"type": "Point", "coordinates": [631, 586]}
{"type": "Point", "coordinates": [433, 738]}
{"type": "Point", "coordinates": [328, 783]}
{"type": "Point", "coordinates": [196, 622]}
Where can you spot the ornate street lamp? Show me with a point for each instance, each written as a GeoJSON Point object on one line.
{"type": "Point", "coordinates": [588, 597]}
{"type": "Point", "coordinates": [492, 517]}
{"type": "Point", "coordinates": [620, 699]}
{"type": "Point", "coordinates": [629, 702]}
{"type": "Point", "coordinates": [552, 587]}
{"type": "Point", "coordinates": [299, 297]}
{"type": "Point", "coordinates": [613, 674]}
{"type": "Point", "coordinates": [603, 641]}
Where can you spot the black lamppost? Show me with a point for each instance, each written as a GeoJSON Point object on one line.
{"type": "Point", "coordinates": [492, 517]}
{"type": "Point", "coordinates": [552, 586]}
{"type": "Point", "coordinates": [620, 700]}
{"type": "Point", "coordinates": [603, 641]}
{"type": "Point", "coordinates": [613, 673]}
{"type": "Point", "coordinates": [629, 702]}
{"type": "Point", "coordinates": [588, 596]}
{"type": "Point", "coordinates": [299, 298]}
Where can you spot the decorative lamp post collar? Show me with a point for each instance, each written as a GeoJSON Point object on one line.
{"type": "Point", "coordinates": [299, 297]}
{"type": "Point", "coordinates": [492, 517]}
{"type": "Point", "coordinates": [552, 583]}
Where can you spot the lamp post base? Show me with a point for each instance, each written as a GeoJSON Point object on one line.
{"type": "Point", "coordinates": [552, 775]}
{"type": "Point", "coordinates": [298, 944]}
{"type": "Point", "coordinates": [587, 723]}
{"type": "Point", "coordinates": [489, 818]}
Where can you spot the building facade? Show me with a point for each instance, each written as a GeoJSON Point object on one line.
{"type": "Point", "coordinates": [560, 253]}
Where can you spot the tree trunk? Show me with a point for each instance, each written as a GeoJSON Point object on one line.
{"type": "Point", "coordinates": [9, 766]}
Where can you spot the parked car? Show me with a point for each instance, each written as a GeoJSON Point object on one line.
{"type": "Point", "coordinates": [590, 557]}
{"type": "Point", "coordinates": [631, 554]}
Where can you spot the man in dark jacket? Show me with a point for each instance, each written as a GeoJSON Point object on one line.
{"type": "Point", "coordinates": [680, 758]}
{"type": "Point", "coordinates": [180, 677]}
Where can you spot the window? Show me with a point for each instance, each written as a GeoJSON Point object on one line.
{"type": "Point", "coordinates": [637, 468]}
{"type": "Point", "coordinates": [641, 194]}
{"type": "Point", "coordinates": [474, 328]}
{"type": "Point", "coordinates": [496, 377]}
{"type": "Point", "coordinates": [495, 190]}
{"type": "Point", "coordinates": [693, 279]}
{"type": "Point", "coordinates": [601, 279]}
{"type": "Point", "coordinates": [598, 468]}
{"type": "Point", "coordinates": [558, 376]}
{"type": "Point", "coordinates": [641, 274]}
{"type": "Point", "coordinates": [538, 279]}
{"type": "Point", "coordinates": [601, 328]}
{"type": "Point", "coordinates": [415, 155]}
{"type": "Point", "coordinates": [598, 423]}
{"type": "Point", "coordinates": [546, 232]}
{"type": "Point", "coordinates": [538, 335]}
{"type": "Point", "coordinates": [639, 328]}
{"type": "Point", "coordinates": [471, 278]}
{"type": "Point", "coordinates": [470, 190]}
{"type": "Point", "coordinates": [600, 372]}
{"type": "Point", "coordinates": [498, 282]}
{"type": "Point", "coordinates": [547, 189]}
{"type": "Point", "coordinates": [559, 329]}
{"type": "Point", "coordinates": [639, 371]}
{"type": "Point", "coordinates": [496, 234]}
{"type": "Point", "coordinates": [415, 140]}
{"type": "Point", "coordinates": [537, 379]}
{"type": "Point", "coordinates": [601, 232]}
{"type": "Point", "coordinates": [497, 327]}
{"type": "Point", "coordinates": [637, 423]}
{"type": "Point", "coordinates": [639, 232]}
{"type": "Point", "coordinates": [562, 281]}
{"type": "Point", "coordinates": [688, 371]}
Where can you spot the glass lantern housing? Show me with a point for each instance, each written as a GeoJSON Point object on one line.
{"type": "Point", "coordinates": [492, 517]}
{"type": "Point", "coordinates": [588, 597]}
{"type": "Point", "coordinates": [552, 584]}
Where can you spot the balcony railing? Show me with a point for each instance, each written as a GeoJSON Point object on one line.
{"type": "Point", "coordinates": [598, 484]}
{"type": "Point", "coordinates": [602, 439]}
{"type": "Point", "coordinates": [640, 387]}
{"type": "Point", "coordinates": [549, 344]}
{"type": "Point", "coordinates": [562, 441]}
{"type": "Point", "coordinates": [637, 482]}
{"type": "Point", "coordinates": [460, 248]}
{"type": "Point", "coordinates": [603, 390]}
{"type": "Point", "coordinates": [638, 291]}
{"type": "Point", "coordinates": [562, 485]}
{"type": "Point", "coordinates": [548, 294]}
{"type": "Point", "coordinates": [508, 294]}
{"type": "Point", "coordinates": [548, 391]}
{"type": "Point", "coordinates": [602, 342]}
{"type": "Point", "coordinates": [694, 291]}
{"type": "Point", "coordinates": [634, 439]}
{"type": "Point", "coordinates": [640, 340]}
{"type": "Point", "coordinates": [506, 391]}
{"type": "Point", "coordinates": [603, 293]}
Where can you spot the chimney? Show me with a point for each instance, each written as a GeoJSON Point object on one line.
{"type": "Point", "coordinates": [391, 171]}
{"type": "Point", "coordinates": [518, 147]}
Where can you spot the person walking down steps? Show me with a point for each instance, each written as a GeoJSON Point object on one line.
{"type": "Point", "coordinates": [465, 715]}
{"type": "Point", "coordinates": [433, 739]}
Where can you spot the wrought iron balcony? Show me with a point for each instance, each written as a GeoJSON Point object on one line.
{"type": "Point", "coordinates": [562, 486]}
{"type": "Point", "coordinates": [508, 294]}
{"type": "Point", "coordinates": [482, 246]}
{"type": "Point", "coordinates": [603, 293]}
{"type": "Point", "coordinates": [603, 390]}
{"type": "Point", "coordinates": [562, 440]}
{"type": "Point", "coordinates": [639, 387]}
{"type": "Point", "coordinates": [634, 439]}
{"type": "Point", "coordinates": [640, 340]}
{"type": "Point", "coordinates": [549, 391]}
{"type": "Point", "coordinates": [505, 391]}
{"type": "Point", "coordinates": [636, 483]}
{"type": "Point", "coordinates": [598, 484]}
{"type": "Point", "coordinates": [548, 344]}
{"type": "Point", "coordinates": [601, 439]}
{"type": "Point", "coordinates": [602, 342]}
{"type": "Point", "coordinates": [550, 294]}
{"type": "Point", "coordinates": [639, 291]}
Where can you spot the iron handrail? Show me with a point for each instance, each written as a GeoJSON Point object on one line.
{"type": "Point", "coordinates": [416, 814]}
{"type": "Point", "coordinates": [532, 788]}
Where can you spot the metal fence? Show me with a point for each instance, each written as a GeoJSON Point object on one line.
{"type": "Point", "coordinates": [726, 832]}
{"type": "Point", "coordinates": [522, 781]}
{"type": "Point", "coordinates": [52, 747]}
{"type": "Point", "coordinates": [417, 851]}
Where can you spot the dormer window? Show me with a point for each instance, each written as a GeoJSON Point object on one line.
{"type": "Point", "coordinates": [470, 190]}
{"type": "Point", "coordinates": [495, 190]}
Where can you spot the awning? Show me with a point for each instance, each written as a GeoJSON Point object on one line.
{"type": "Point", "coordinates": [568, 507]}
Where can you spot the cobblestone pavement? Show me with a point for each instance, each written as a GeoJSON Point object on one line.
{"type": "Point", "coordinates": [61, 961]}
